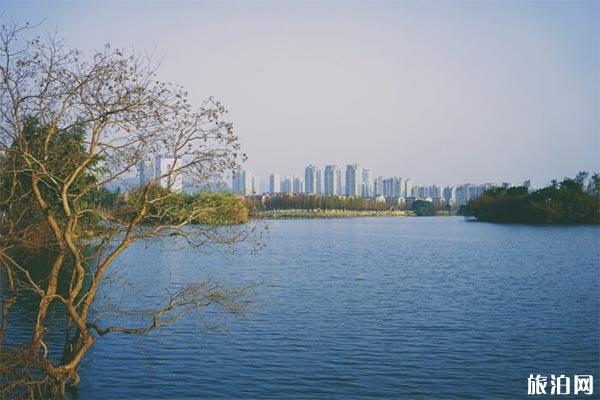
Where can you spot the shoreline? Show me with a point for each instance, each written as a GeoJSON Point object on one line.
{"type": "Point", "coordinates": [327, 214]}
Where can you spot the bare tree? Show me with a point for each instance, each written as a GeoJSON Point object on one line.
{"type": "Point", "coordinates": [69, 126]}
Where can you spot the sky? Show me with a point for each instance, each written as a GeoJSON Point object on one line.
{"type": "Point", "coordinates": [441, 92]}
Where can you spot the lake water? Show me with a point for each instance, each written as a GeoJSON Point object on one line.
{"type": "Point", "coordinates": [368, 308]}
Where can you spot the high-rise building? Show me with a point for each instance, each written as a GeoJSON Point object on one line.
{"type": "Point", "coordinates": [462, 194]}
{"type": "Point", "coordinates": [312, 179]}
{"type": "Point", "coordinates": [145, 171]}
{"type": "Point", "coordinates": [243, 182]}
{"type": "Point", "coordinates": [274, 183]}
{"type": "Point", "coordinates": [408, 192]}
{"type": "Point", "coordinates": [378, 186]}
{"type": "Point", "coordinates": [166, 171]}
{"type": "Point", "coordinates": [298, 185]}
{"type": "Point", "coordinates": [367, 183]}
{"type": "Point", "coordinates": [333, 181]}
{"type": "Point", "coordinates": [477, 190]}
{"type": "Point", "coordinates": [354, 180]}
{"type": "Point", "coordinates": [420, 192]}
{"type": "Point", "coordinates": [387, 187]}
{"type": "Point", "coordinates": [449, 194]}
{"type": "Point", "coordinates": [434, 191]}
{"type": "Point", "coordinates": [393, 187]}
{"type": "Point", "coordinates": [319, 182]}
{"type": "Point", "coordinates": [287, 185]}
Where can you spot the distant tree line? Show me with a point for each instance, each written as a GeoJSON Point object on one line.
{"type": "Point", "coordinates": [571, 201]}
{"type": "Point", "coordinates": [291, 202]}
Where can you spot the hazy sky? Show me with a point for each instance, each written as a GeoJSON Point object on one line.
{"type": "Point", "coordinates": [443, 92]}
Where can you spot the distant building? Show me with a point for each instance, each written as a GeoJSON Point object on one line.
{"type": "Point", "coordinates": [449, 195]}
{"type": "Point", "coordinates": [393, 187]}
{"type": "Point", "coordinates": [162, 169]}
{"type": "Point", "coordinates": [408, 189]}
{"type": "Point", "coordinates": [167, 174]}
{"type": "Point", "coordinates": [243, 183]}
{"type": "Point", "coordinates": [378, 186]}
{"type": "Point", "coordinates": [434, 191]}
{"type": "Point", "coordinates": [367, 183]}
{"type": "Point", "coordinates": [274, 183]}
{"type": "Point", "coordinates": [298, 185]}
{"type": "Point", "coordinates": [469, 191]}
{"type": "Point", "coordinates": [287, 185]}
{"type": "Point", "coordinates": [439, 202]}
{"type": "Point", "coordinates": [145, 171]}
{"type": "Point", "coordinates": [333, 181]}
{"type": "Point", "coordinates": [462, 194]}
{"type": "Point", "coordinates": [318, 182]}
{"type": "Point", "coordinates": [354, 180]}
{"type": "Point", "coordinates": [420, 192]}
{"type": "Point", "coordinates": [477, 190]}
{"type": "Point", "coordinates": [312, 179]}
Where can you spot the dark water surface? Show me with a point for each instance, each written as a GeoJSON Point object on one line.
{"type": "Point", "coordinates": [368, 308]}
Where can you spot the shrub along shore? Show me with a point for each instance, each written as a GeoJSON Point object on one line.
{"type": "Point", "coordinates": [571, 201]}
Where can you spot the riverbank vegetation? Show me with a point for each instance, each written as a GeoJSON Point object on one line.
{"type": "Point", "coordinates": [295, 206]}
{"type": "Point", "coordinates": [570, 201]}
{"type": "Point", "coordinates": [204, 208]}
{"type": "Point", "coordinates": [311, 203]}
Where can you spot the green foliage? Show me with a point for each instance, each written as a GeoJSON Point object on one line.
{"type": "Point", "coordinates": [205, 208]}
{"type": "Point", "coordinates": [52, 157]}
{"type": "Point", "coordinates": [568, 202]}
{"type": "Point", "coordinates": [423, 208]}
{"type": "Point", "coordinates": [291, 202]}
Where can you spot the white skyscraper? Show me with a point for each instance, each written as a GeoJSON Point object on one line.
{"type": "Point", "coordinates": [243, 182]}
{"type": "Point", "coordinates": [402, 187]}
{"type": "Point", "coordinates": [408, 187]}
{"type": "Point", "coordinates": [367, 183]}
{"type": "Point", "coordinates": [145, 171]}
{"type": "Point", "coordinates": [333, 181]}
{"type": "Point", "coordinates": [166, 171]}
{"type": "Point", "coordinates": [274, 183]}
{"type": "Point", "coordinates": [318, 182]}
{"type": "Point", "coordinates": [312, 179]}
{"type": "Point", "coordinates": [354, 180]}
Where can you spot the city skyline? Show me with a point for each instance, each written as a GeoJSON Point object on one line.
{"type": "Point", "coordinates": [265, 184]}
{"type": "Point", "coordinates": [359, 182]}
{"type": "Point", "coordinates": [445, 91]}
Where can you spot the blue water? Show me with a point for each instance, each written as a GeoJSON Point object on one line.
{"type": "Point", "coordinates": [367, 308]}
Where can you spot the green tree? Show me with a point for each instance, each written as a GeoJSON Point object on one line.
{"type": "Point", "coordinates": [570, 201]}
{"type": "Point", "coordinates": [17, 197]}
{"type": "Point", "coordinates": [423, 208]}
{"type": "Point", "coordinates": [70, 126]}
